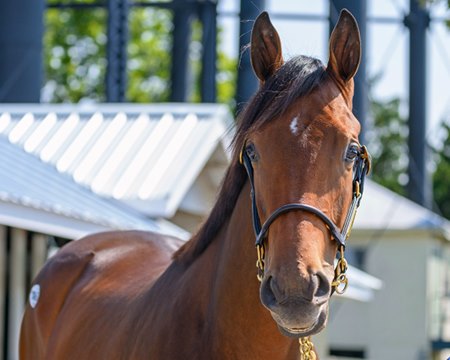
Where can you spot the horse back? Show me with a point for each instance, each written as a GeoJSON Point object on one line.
{"type": "Point", "coordinates": [93, 272]}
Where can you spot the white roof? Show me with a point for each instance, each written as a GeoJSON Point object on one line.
{"type": "Point", "coordinates": [150, 155]}
{"type": "Point", "coordinates": [145, 155]}
{"type": "Point", "coordinates": [361, 286]}
{"type": "Point", "coordinates": [382, 209]}
{"type": "Point", "coordinates": [34, 196]}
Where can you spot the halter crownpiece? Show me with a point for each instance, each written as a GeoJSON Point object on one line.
{"type": "Point", "coordinates": [361, 169]}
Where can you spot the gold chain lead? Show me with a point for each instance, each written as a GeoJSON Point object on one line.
{"type": "Point", "coordinates": [306, 349]}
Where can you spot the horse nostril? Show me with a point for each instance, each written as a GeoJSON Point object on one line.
{"type": "Point", "coordinates": [321, 287]}
{"type": "Point", "coordinates": [268, 297]}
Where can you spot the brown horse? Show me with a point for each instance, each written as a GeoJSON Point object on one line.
{"type": "Point", "coordinates": [137, 295]}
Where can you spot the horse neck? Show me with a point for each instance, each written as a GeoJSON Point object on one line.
{"type": "Point", "coordinates": [216, 299]}
{"type": "Point", "coordinates": [235, 316]}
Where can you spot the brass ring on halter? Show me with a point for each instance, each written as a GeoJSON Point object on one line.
{"type": "Point", "coordinates": [341, 279]}
{"type": "Point", "coordinates": [339, 273]}
{"type": "Point", "coordinates": [260, 252]}
{"type": "Point", "coordinates": [366, 156]}
{"type": "Point", "coordinates": [357, 189]}
{"type": "Point", "coordinates": [260, 262]}
{"type": "Point", "coordinates": [259, 274]}
{"type": "Point", "coordinates": [343, 265]}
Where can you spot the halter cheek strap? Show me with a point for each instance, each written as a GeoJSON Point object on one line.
{"type": "Point", "coordinates": [361, 168]}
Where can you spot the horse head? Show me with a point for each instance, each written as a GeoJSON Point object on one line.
{"type": "Point", "coordinates": [299, 141]}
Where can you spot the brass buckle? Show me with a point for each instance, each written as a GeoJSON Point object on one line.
{"type": "Point", "coordinates": [365, 155]}
{"type": "Point", "coordinates": [357, 189]}
{"type": "Point", "coordinates": [260, 262]}
{"type": "Point", "coordinates": [340, 277]}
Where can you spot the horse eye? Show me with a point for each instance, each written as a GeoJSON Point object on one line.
{"type": "Point", "coordinates": [352, 152]}
{"type": "Point", "coordinates": [251, 152]}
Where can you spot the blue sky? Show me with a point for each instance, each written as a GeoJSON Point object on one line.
{"type": "Point", "coordinates": [387, 48]}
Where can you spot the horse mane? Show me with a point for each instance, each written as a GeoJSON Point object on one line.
{"type": "Point", "coordinates": [297, 77]}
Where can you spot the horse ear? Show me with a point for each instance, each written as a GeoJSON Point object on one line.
{"type": "Point", "coordinates": [265, 48]}
{"type": "Point", "coordinates": [345, 47]}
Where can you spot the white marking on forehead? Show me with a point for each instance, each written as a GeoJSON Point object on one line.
{"type": "Point", "coordinates": [294, 125]}
{"type": "Point", "coordinates": [34, 295]}
{"type": "Point", "coordinates": [304, 138]}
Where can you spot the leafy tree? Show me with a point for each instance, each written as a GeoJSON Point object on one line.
{"type": "Point", "coordinates": [149, 59]}
{"type": "Point", "coordinates": [387, 142]}
{"type": "Point", "coordinates": [441, 176]}
{"type": "Point", "coordinates": [226, 78]}
{"type": "Point", "coordinates": [75, 56]}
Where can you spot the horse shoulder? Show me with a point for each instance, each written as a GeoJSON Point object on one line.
{"type": "Point", "coordinates": [51, 288]}
{"type": "Point", "coordinates": [89, 261]}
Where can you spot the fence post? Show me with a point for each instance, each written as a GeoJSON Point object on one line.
{"type": "Point", "coordinates": [38, 253]}
{"type": "Point", "coordinates": [17, 289]}
{"type": "Point", "coordinates": [3, 272]}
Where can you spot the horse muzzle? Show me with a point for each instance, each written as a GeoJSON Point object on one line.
{"type": "Point", "coordinates": [300, 310]}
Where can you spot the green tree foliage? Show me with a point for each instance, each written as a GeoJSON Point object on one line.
{"type": "Point", "coordinates": [226, 79]}
{"type": "Point", "coordinates": [148, 55]}
{"type": "Point", "coordinates": [387, 142]}
{"type": "Point", "coordinates": [74, 51]}
{"type": "Point", "coordinates": [441, 176]}
{"type": "Point", "coordinates": [75, 57]}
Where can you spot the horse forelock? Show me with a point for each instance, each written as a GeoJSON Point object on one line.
{"type": "Point", "coordinates": [297, 77]}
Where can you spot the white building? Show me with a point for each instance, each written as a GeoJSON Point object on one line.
{"type": "Point", "coordinates": [408, 248]}
{"type": "Point", "coordinates": [39, 210]}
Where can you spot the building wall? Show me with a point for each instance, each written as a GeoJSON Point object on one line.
{"type": "Point", "coordinates": [398, 314]}
{"type": "Point", "coordinates": [348, 325]}
{"type": "Point", "coordinates": [438, 296]}
{"type": "Point", "coordinates": [394, 325]}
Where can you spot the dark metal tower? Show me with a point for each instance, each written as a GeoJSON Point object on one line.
{"type": "Point", "coordinates": [208, 17]}
{"type": "Point", "coordinates": [21, 31]}
{"type": "Point", "coordinates": [182, 18]}
{"type": "Point", "coordinates": [419, 185]}
{"type": "Point", "coordinates": [116, 74]}
{"type": "Point", "coordinates": [360, 100]}
{"type": "Point", "coordinates": [247, 83]}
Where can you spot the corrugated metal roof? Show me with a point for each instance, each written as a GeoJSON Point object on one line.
{"type": "Point", "coordinates": [146, 155]}
{"type": "Point", "coordinates": [34, 196]}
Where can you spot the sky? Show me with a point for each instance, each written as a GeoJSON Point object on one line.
{"type": "Point", "coordinates": [386, 46]}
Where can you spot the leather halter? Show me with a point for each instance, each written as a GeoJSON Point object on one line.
{"type": "Point", "coordinates": [361, 168]}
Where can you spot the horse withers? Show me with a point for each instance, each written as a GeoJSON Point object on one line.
{"type": "Point", "coordinates": [138, 295]}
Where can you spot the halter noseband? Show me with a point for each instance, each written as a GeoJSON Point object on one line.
{"type": "Point", "coordinates": [361, 168]}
